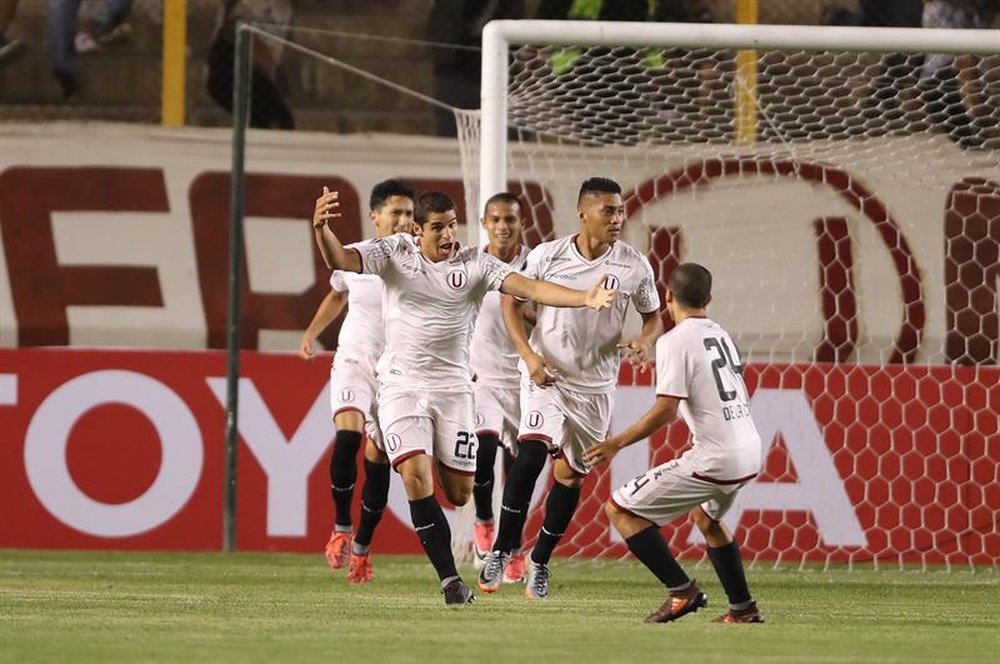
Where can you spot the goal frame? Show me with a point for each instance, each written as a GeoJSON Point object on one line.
{"type": "Point", "coordinates": [499, 35]}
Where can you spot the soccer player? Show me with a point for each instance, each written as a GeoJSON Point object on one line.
{"type": "Point", "coordinates": [498, 381]}
{"type": "Point", "coordinates": [698, 372]}
{"type": "Point", "coordinates": [569, 371]}
{"type": "Point", "coordinates": [353, 388]}
{"type": "Point", "coordinates": [433, 290]}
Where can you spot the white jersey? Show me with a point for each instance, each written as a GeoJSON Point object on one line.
{"type": "Point", "coordinates": [582, 343]}
{"type": "Point", "coordinates": [429, 310]}
{"type": "Point", "coordinates": [494, 359]}
{"type": "Point", "coordinates": [698, 363]}
{"type": "Point", "coordinates": [361, 336]}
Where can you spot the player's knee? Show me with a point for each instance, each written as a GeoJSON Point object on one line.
{"type": "Point", "coordinates": [531, 455]}
{"type": "Point", "coordinates": [457, 496]}
{"type": "Point", "coordinates": [709, 527]}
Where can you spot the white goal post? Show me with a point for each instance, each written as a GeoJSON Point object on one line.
{"type": "Point", "coordinates": [844, 190]}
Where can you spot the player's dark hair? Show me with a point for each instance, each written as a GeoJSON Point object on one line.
{"type": "Point", "coordinates": [504, 197]}
{"type": "Point", "coordinates": [386, 189]}
{"type": "Point", "coordinates": [432, 202]}
{"type": "Point", "coordinates": [598, 186]}
{"type": "Point", "coordinates": [692, 285]}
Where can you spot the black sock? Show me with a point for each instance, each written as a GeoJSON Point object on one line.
{"type": "Point", "coordinates": [344, 474]}
{"type": "Point", "coordinates": [517, 493]}
{"type": "Point", "coordinates": [559, 509]}
{"type": "Point", "coordinates": [508, 462]}
{"type": "Point", "coordinates": [652, 551]}
{"type": "Point", "coordinates": [729, 567]}
{"type": "Point", "coordinates": [435, 535]}
{"type": "Point", "coordinates": [482, 489]}
{"type": "Point", "coordinates": [374, 496]}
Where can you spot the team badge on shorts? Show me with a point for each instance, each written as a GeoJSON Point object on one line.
{"type": "Point", "coordinates": [346, 395]}
{"type": "Point", "coordinates": [392, 442]}
{"type": "Point", "coordinates": [480, 420]}
{"type": "Point", "coordinates": [534, 420]}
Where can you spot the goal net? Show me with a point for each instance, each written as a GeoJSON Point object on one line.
{"type": "Point", "coordinates": [843, 186]}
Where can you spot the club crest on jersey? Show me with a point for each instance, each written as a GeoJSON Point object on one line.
{"type": "Point", "coordinates": [457, 279]}
{"type": "Point", "coordinates": [611, 282]}
{"type": "Point", "coordinates": [346, 394]}
{"type": "Point", "coordinates": [534, 420]}
{"type": "Point", "coordinates": [392, 442]}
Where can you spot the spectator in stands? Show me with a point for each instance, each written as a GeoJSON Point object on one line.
{"type": "Point", "coordinates": [951, 84]}
{"type": "Point", "coordinates": [62, 37]}
{"type": "Point", "coordinates": [268, 107]}
{"type": "Point", "coordinates": [890, 13]}
{"type": "Point", "coordinates": [457, 70]}
{"type": "Point", "coordinates": [110, 27]}
{"type": "Point", "coordinates": [9, 48]}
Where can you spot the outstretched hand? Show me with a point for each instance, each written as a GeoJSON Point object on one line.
{"type": "Point", "coordinates": [325, 206]}
{"type": "Point", "coordinates": [602, 452]}
{"type": "Point", "coordinates": [599, 297]}
{"type": "Point", "coordinates": [636, 353]}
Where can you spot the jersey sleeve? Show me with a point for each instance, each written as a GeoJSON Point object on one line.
{"type": "Point", "coordinates": [671, 368]}
{"type": "Point", "coordinates": [338, 281]}
{"type": "Point", "coordinates": [532, 265]}
{"type": "Point", "coordinates": [494, 271]}
{"type": "Point", "coordinates": [376, 256]}
{"type": "Point", "coordinates": [645, 298]}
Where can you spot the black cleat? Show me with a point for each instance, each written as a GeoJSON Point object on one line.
{"type": "Point", "coordinates": [678, 605]}
{"type": "Point", "coordinates": [457, 593]}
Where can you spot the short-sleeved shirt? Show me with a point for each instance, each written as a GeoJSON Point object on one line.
{"type": "Point", "coordinates": [494, 359]}
{"type": "Point", "coordinates": [361, 335]}
{"type": "Point", "coordinates": [698, 363]}
{"type": "Point", "coordinates": [582, 343]}
{"type": "Point", "coordinates": [429, 310]}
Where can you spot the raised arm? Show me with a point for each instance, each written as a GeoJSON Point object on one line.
{"type": "Point", "coordinates": [663, 410]}
{"type": "Point", "coordinates": [334, 253]}
{"type": "Point", "coordinates": [554, 295]}
{"type": "Point", "coordinates": [329, 308]}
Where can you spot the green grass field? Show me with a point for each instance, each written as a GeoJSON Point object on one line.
{"type": "Point", "coordinates": [168, 607]}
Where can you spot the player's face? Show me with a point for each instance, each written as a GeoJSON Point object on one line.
{"type": "Point", "coordinates": [503, 226]}
{"type": "Point", "coordinates": [395, 216]}
{"type": "Point", "coordinates": [439, 235]}
{"type": "Point", "coordinates": [602, 215]}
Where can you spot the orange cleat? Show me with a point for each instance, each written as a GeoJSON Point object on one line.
{"type": "Point", "coordinates": [483, 535]}
{"type": "Point", "coordinates": [747, 615]}
{"type": "Point", "coordinates": [360, 570]}
{"type": "Point", "coordinates": [514, 572]}
{"type": "Point", "coordinates": [338, 549]}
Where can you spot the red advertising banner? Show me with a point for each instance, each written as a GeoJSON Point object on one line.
{"type": "Point", "coordinates": [124, 450]}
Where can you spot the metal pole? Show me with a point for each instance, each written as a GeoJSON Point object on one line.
{"type": "Point", "coordinates": [174, 63]}
{"type": "Point", "coordinates": [241, 98]}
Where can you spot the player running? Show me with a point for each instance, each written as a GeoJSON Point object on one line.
{"type": "Point", "coordinates": [353, 388]}
{"type": "Point", "coordinates": [433, 290]}
{"type": "Point", "coordinates": [698, 372]}
{"type": "Point", "coordinates": [498, 381]}
{"type": "Point", "coordinates": [569, 372]}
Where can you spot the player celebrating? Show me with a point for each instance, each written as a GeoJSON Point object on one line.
{"type": "Point", "coordinates": [494, 362]}
{"type": "Point", "coordinates": [569, 371]}
{"type": "Point", "coordinates": [697, 371]}
{"type": "Point", "coordinates": [353, 387]}
{"type": "Point", "coordinates": [433, 290]}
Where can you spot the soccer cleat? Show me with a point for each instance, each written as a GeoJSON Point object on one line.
{"type": "Point", "coordinates": [491, 575]}
{"type": "Point", "coordinates": [483, 535]}
{"type": "Point", "coordinates": [514, 573]}
{"type": "Point", "coordinates": [738, 616]}
{"type": "Point", "coordinates": [338, 549]}
{"type": "Point", "coordinates": [360, 569]}
{"type": "Point", "coordinates": [538, 581]}
{"type": "Point", "coordinates": [457, 593]}
{"type": "Point", "coordinates": [678, 605]}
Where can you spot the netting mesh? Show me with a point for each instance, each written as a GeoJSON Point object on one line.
{"type": "Point", "coordinates": [848, 205]}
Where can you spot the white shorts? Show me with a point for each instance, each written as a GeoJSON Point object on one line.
{"type": "Point", "coordinates": [354, 387]}
{"type": "Point", "coordinates": [498, 411]}
{"type": "Point", "coordinates": [439, 424]}
{"type": "Point", "coordinates": [568, 421]}
{"type": "Point", "coordinates": [663, 493]}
